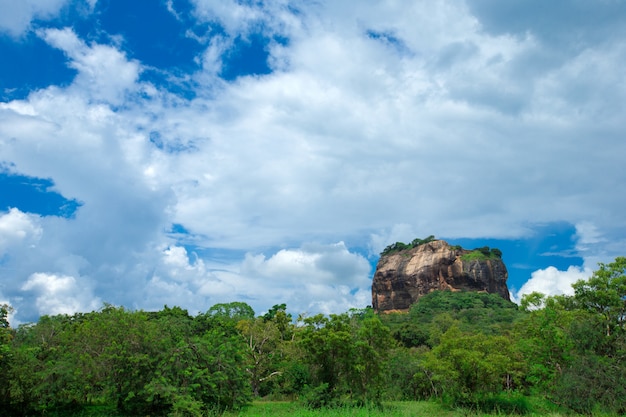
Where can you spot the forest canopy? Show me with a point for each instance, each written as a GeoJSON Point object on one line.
{"type": "Point", "coordinates": [465, 349]}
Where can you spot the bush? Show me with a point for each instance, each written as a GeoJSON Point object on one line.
{"type": "Point", "coordinates": [319, 397]}
{"type": "Point", "coordinates": [504, 403]}
{"type": "Point", "coordinates": [593, 383]}
{"type": "Point", "coordinates": [482, 254]}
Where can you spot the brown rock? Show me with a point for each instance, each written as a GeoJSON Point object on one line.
{"type": "Point", "coordinates": [401, 278]}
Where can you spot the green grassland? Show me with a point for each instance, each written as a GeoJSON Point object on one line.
{"type": "Point", "coordinates": [390, 409]}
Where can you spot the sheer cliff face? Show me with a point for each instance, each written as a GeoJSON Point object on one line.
{"type": "Point", "coordinates": [401, 278]}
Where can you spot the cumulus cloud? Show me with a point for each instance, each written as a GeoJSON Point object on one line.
{"type": "Point", "coordinates": [18, 230]}
{"type": "Point", "coordinates": [60, 294]}
{"type": "Point", "coordinates": [103, 71]}
{"type": "Point", "coordinates": [239, 18]}
{"type": "Point", "coordinates": [314, 278]}
{"type": "Point", "coordinates": [381, 123]}
{"type": "Point", "coordinates": [72, 135]}
{"type": "Point", "coordinates": [592, 245]}
{"type": "Point", "coordinates": [551, 281]}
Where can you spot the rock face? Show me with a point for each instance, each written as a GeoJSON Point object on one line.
{"type": "Point", "coordinates": [401, 278]}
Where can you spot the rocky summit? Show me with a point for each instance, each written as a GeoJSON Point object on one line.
{"type": "Point", "coordinates": [403, 276]}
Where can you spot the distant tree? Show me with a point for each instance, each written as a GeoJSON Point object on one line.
{"type": "Point", "coordinates": [224, 316]}
{"type": "Point", "coordinates": [5, 330]}
{"type": "Point", "coordinates": [605, 294]}
{"type": "Point", "coordinates": [5, 354]}
{"type": "Point", "coordinates": [234, 311]}
{"type": "Point", "coordinates": [283, 320]}
{"type": "Point", "coordinates": [532, 301]}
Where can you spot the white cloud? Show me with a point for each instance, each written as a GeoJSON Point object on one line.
{"type": "Point", "coordinates": [314, 278]}
{"type": "Point", "coordinates": [327, 278]}
{"type": "Point", "coordinates": [16, 16]}
{"type": "Point", "coordinates": [60, 294]}
{"type": "Point", "coordinates": [103, 71]}
{"type": "Point", "coordinates": [18, 230]}
{"type": "Point", "coordinates": [551, 281]}
{"type": "Point", "coordinates": [438, 127]}
{"type": "Point", "coordinates": [238, 18]}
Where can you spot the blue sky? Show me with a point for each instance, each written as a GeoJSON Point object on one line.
{"type": "Point", "coordinates": [192, 152]}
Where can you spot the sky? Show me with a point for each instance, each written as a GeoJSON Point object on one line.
{"type": "Point", "coordinates": [194, 152]}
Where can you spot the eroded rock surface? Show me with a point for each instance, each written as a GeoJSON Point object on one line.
{"type": "Point", "coordinates": [401, 278]}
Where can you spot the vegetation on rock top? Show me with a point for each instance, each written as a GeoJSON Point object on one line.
{"type": "Point", "coordinates": [480, 254]}
{"type": "Point", "coordinates": [400, 246]}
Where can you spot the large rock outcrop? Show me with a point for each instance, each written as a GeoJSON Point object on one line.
{"type": "Point", "coordinates": [402, 277]}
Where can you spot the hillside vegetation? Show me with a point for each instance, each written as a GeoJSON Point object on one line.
{"type": "Point", "coordinates": [462, 350]}
{"type": "Point", "coordinates": [474, 254]}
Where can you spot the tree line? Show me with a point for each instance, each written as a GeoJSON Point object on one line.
{"type": "Point", "coordinates": [466, 349]}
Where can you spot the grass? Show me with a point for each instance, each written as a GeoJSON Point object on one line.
{"type": "Point", "coordinates": [395, 409]}
{"type": "Point", "coordinates": [293, 409]}
{"type": "Point", "coordinates": [477, 256]}
{"type": "Point", "coordinates": [399, 409]}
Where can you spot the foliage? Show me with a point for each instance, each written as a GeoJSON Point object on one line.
{"type": "Point", "coordinates": [481, 254]}
{"type": "Point", "coordinates": [400, 246]}
{"type": "Point", "coordinates": [575, 345]}
{"type": "Point", "coordinates": [468, 351]}
{"type": "Point", "coordinates": [605, 294]}
{"type": "Point", "coordinates": [591, 382]}
{"type": "Point", "coordinates": [140, 363]}
{"type": "Point", "coordinates": [347, 356]}
{"type": "Point", "coordinates": [6, 335]}
{"type": "Point", "coordinates": [464, 368]}
{"type": "Point", "coordinates": [233, 312]}
{"type": "Point", "coordinates": [436, 311]}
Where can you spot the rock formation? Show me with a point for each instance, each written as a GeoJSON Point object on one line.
{"type": "Point", "coordinates": [402, 277]}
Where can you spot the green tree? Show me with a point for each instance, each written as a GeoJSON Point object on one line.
{"type": "Point", "coordinates": [224, 316]}
{"type": "Point", "coordinates": [544, 341]}
{"type": "Point", "coordinates": [327, 342]}
{"type": "Point", "coordinates": [120, 350]}
{"type": "Point", "coordinates": [592, 383]}
{"type": "Point", "coordinates": [372, 343]}
{"type": "Point", "coordinates": [347, 355]}
{"type": "Point", "coordinates": [575, 346]}
{"type": "Point", "coordinates": [6, 335]}
{"type": "Point", "coordinates": [42, 369]}
{"type": "Point", "coordinates": [234, 311]}
{"type": "Point", "coordinates": [605, 294]}
{"type": "Point", "coordinates": [262, 338]}
{"type": "Point", "coordinates": [533, 301]}
{"type": "Point", "coordinates": [407, 377]}
{"type": "Point", "coordinates": [466, 368]}
{"type": "Point", "coordinates": [283, 320]}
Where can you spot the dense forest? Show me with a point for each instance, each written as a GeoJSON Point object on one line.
{"type": "Point", "coordinates": [464, 349]}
